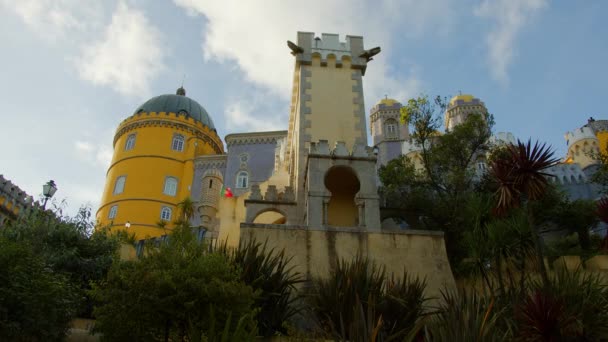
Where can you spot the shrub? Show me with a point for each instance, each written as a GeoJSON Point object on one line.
{"type": "Point", "coordinates": [359, 298]}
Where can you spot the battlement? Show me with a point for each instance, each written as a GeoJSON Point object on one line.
{"type": "Point", "coordinates": [321, 148]}
{"type": "Point", "coordinates": [383, 106]}
{"type": "Point", "coordinates": [13, 200]}
{"type": "Point", "coordinates": [330, 45]}
{"type": "Point", "coordinates": [579, 134]}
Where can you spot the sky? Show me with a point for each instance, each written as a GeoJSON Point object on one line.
{"type": "Point", "coordinates": [71, 70]}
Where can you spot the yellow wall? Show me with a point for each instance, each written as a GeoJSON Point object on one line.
{"type": "Point", "coordinates": [582, 151]}
{"type": "Point", "coordinates": [315, 252]}
{"type": "Point", "coordinates": [332, 106]}
{"type": "Point", "coordinates": [603, 141]}
{"type": "Point", "coordinates": [147, 165]}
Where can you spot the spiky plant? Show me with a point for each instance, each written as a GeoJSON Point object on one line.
{"type": "Point", "coordinates": [520, 177]}
{"type": "Point", "coordinates": [465, 317]}
{"type": "Point", "coordinates": [268, 272]}
{"type": "Point", "coordinates": [360, 291]}
{"type": "Point", "coordinates": [584, 297]}
{"type": "Point", "coordinates": [543, 317]}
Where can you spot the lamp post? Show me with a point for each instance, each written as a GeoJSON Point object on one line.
{"type": "Point", "coordinates": [48, 190]}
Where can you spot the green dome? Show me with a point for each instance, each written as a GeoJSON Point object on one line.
{"type": "Point", "coordinates": [179, 104]}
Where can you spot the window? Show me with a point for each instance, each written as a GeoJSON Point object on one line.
{"type": "Point", "coordinates": [178, 143]}
{"type": "Point", "coordinates": [242, 179]}
{"type": "Point", "coordinates": [130, 143]}
{"type": "Point", "coordinates": [113, 212]}
{"type": "Point", "coordinates": [391, 128]}
{"type": "Point", "coordinates": [210, 183]}
{"type": "Point", "coordinates": [170, 187]}
{"type": "Point", "coordinates": [165, 214]}
{"type": "Point", "coordinates": [119, 186]}
{"type": "Point", "coordinates": [481, 165]}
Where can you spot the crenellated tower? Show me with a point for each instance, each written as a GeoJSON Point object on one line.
{"type": "Point", "coordinates": [327, 98]}
{"type": "Point", "coordinates": [388, 132]}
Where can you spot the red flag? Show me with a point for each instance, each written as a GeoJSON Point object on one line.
{"type": "Point", "coordinates": [226, 192]}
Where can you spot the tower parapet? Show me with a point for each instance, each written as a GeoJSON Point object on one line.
{"type": "Point", "coordinates": [582, 144]}
{"type": "Point", "coordinates": [330, 45]}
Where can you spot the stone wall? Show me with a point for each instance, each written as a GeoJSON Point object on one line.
{"type": "Point", "coordinates": [316, 251]}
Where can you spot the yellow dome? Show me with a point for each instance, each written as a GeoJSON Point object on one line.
{"type": "Point", "coordinates": [463, 97]}
{"type": "Point", "coordinates": [387, 102]}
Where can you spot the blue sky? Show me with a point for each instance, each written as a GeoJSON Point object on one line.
{"type": "Point", "coordinates": [71, 70]}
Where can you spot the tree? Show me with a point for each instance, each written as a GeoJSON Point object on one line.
{"type": "Point", "coordinates": [434, 195]}
{"type": "Point", "coordinates": [172, 293]}
{"type": "Point", "coordinates": [520, 181]}
{"type": "Point", "coordinates": [68, 246]}
{"type": "Point", "coordinates": [36, 303]}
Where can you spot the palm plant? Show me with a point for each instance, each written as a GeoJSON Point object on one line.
{"type": "Point", "coordinates": [520, 177]}
{"type": "Point", "coordinates": [186, 208]}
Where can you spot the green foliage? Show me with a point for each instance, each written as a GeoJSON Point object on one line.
{"type": "Point", "coordinates": [585, 300]}
{"type": "Point", "coordinates": [464, 318]}
{"type": "Point", "coordinates": [169, 292]}
{"type": "Point", "coordinates": [434, 197]}
{"type": "Point", "coordinates": [268, 272]}
{"type": "Point", "coordinates": [359, 298]}
{"type": "Point", "coordinates": [68, 246]}
{"type": "Point", "coordinates": [36, 303]}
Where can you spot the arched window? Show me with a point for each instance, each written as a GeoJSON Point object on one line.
{"type": "Point", "coordinates": [119, 186]}
{"type": "Point", "coordinates": [113, 212]}
{"type": "Point", "coordinates": [391, 128]}
{"type": "Point", "coordinates": [165, 214]}
{"type": "Point", "coordinates": [572, 179]}
{"type": "Point", "coordinates": [130, 143]}
{"type": "Point", "coordinates": [242, 179]}
{"type": "Point", "coordinates": [481, 166]}
{"type": "Point", "coordinates": [178, 143]}
{"type": "Point", "coordinates": [170, 187]}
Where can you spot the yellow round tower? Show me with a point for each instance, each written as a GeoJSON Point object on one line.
{"type": "Point", "coordinates": [152, 166]}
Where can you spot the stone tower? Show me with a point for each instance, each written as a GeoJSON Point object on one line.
{"type": "Point", "coordinates": [327, 99]}
{"type": "Point", "coordinates": [210, 192]}
{"type": "Point", "coordinates": [459, 109]}
{"type": "Point", "coordinates": [388, 132]}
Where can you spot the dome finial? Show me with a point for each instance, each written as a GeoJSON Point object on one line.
{"type": "Point", "coordinates": [181, 91]}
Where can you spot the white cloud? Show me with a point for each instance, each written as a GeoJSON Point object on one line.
{"type": "Point", "coordinates": [55, 19]}
{"type": "Point", "coordinates": [239, 117]}
{"type": "Point", "coordinates": [253, 36]}
{"type": "Point", "coordinates": [129, 55]}
{"type": "Point", "coordinates": [510, 17]}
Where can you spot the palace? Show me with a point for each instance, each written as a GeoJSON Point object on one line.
{"type": "Point", "coordinates": [311, 189]}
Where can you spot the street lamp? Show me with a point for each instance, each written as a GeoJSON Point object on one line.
{"type": "Point", "coordinates": [48, 190]}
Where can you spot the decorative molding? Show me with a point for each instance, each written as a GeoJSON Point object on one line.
{"type": "Point", "coordinates": [215, 142]}
{"type": "Point", "coordinates": [254, 138]}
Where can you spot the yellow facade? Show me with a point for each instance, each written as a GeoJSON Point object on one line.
{"type": "Point", "coordinates": [146, 166]}
{"type": "Point", "coordinates": [602, 137]}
